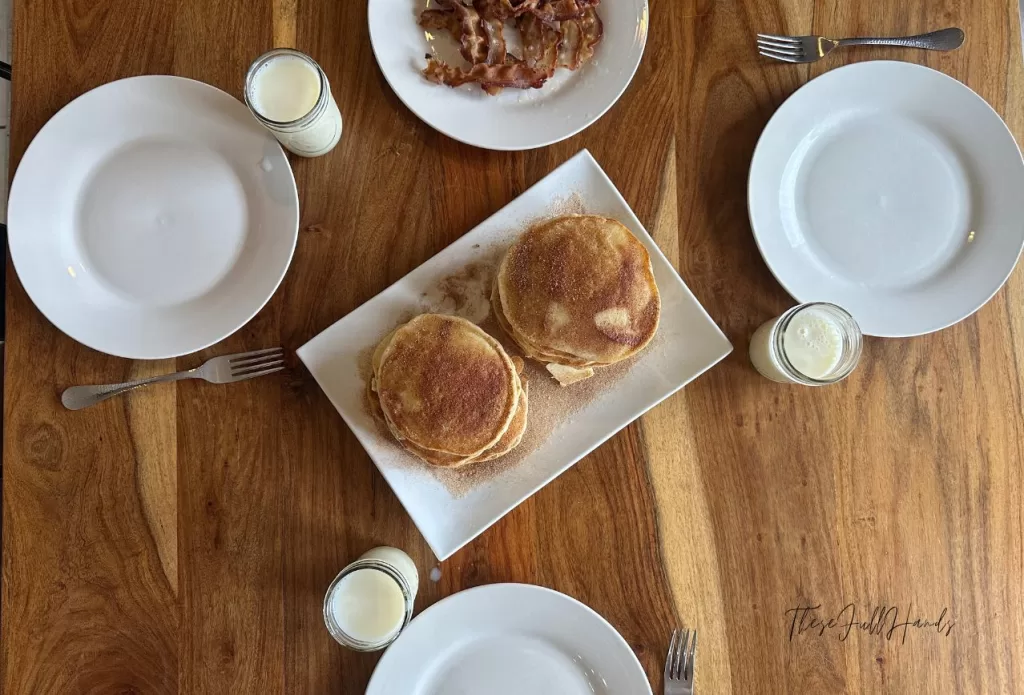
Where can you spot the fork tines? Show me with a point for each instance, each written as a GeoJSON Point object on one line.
{"type": "Point", "coordinates": [257, 363]}
{"type": "Point", "coordinates": [681, 652]}
{"type": "Point", "coordinates": [788, 49]}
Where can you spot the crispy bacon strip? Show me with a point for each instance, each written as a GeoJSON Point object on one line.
{"type": "Point", "coordinates": [514, 74]}
{"type": "Point", "coordinates": [494, 9]}
{"type": "Point", "coordinates": [562, 10]}
{"type": "Point", "coordinates": [579, 39]}
{"type": "Point", "coordinates": [494, 31]}
{"type": "Point", "coordinates": [592, 31]}
{"type": "Point", "coordinates": [548, 10]}
{"type": "Point", "coordinates": [540, 42]}
{"type": "Point", "coordinates": [491, 13]}
{"type": "Point", "coordinates": [569, 48]}
{"type": "Point", "coordinates": [497, 52]}
{"type": "Point", "coordinates": [459, 21]}
{"type": "Point", "coordinates": [471, 34]}
{"type": "Point", "coordinates": [508, 9]}
{"type": "Point", "coordinates": [521, 6]}
{"type": "Point", "coordinates": [441, 20]}
{"type": "Point", "coordinates": [555, 33]}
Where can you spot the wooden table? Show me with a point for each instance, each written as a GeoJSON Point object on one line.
{"type": "Point", "coordinates": [181, 539]}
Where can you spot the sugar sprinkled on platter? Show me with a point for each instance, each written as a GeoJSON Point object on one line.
{"type": "Point", "coordinates": [465, 294]}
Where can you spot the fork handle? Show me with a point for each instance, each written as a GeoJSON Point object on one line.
{"type": "Point", "coordinates": [942, 40]}
{"type": "Point", "coordinates": [78, 397]}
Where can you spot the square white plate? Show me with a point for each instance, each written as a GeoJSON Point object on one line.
{"type": "Point", "coordinates": [690, 344]}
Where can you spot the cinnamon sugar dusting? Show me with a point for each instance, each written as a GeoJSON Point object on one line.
{"type": "Point", "coordinates": [551, 407]}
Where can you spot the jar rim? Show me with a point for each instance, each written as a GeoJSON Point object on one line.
{"type": "Point", "coordinates": [305, 119]}
{"type": "Point", "coordinates": [778, 346]}
{"type": "Point", "coordinates": [348, 640]}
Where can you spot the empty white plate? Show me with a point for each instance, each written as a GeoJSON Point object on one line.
{"type": "Point", "coordinates": [152, 217]}
{"type": "Point", "coordinates": [688, 343]}
{"type": "Point", "coordinates": [891, 190]}
{"type": "Point", "coordinates": [509, 639]}
{"type": "Point", "coordinates": [516, 119]}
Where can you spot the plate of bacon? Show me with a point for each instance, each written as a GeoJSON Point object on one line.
{"type": "Point", "coordinates": [508, 74]}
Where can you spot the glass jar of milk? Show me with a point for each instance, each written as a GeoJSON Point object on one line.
{"type": "Point", "coordinates": [289, 94]}
{"type": "Point", "coordinates": [812, 344]}
{"type": "Point", "coordinates": [370, 601]}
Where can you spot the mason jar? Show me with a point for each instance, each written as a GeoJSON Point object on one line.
{"type": "Point", "coordinates": [371, 601]}
{"type": "Point", "coordinates": [813, 344]}
{"type": "Point", "coordinates": [290, 95]}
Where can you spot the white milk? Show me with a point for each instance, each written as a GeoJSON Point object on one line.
{"type": "Point", "coordinates": [813, 343]}
{"type": "Point", "coordinates": [366, 608]}
{"type": "Point", "coordinates": [290, 95]}
{"type": "Point", "coordinates": [285, 89]}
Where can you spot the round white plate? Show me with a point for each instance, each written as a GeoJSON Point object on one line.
{"type": "Point", "coordinates": [152, 217]}
{"type": "Point", "coordinates": [509, 639]}
{"type": "Point", "coordinates": [891, 190]}
{"type": "Point", "coordinates": [516, 119]}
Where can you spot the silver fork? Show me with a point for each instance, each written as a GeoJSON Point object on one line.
{"type": "Point", "coordinates": [219, 370]}
{"type": "Point", "coordinates": [679, 663]}
{"type": "Point", "coordinates": [807, 49]}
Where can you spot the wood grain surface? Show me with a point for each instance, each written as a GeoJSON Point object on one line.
{"type": "Point", "coordinates": [180, 540]}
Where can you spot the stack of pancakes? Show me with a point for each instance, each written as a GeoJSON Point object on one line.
{"type": "Point", "coordinates": [448, 392]}
{"type": "Point", "coordinates": [577, 292]}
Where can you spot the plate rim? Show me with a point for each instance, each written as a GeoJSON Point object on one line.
{"type": "Point", "coordinates": [598, 114]}
{"type": "Point", "coordinates": [845, 69]}
{"type": "Point", "coordinates": [155, 355]}
{"type": "Point", "coordinates": [588, 159]}
{"type": "Point", "coordinates": [454, 598]}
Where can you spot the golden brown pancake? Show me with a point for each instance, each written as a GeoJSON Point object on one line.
{"type": "Point", "coordinates": [578, 291]}
{"type": "Point", "coordinates": [514, 434]}
{"type": "Point", "coordinates": [440, 459]}
{"type": "Point", "coordinates": [509, 441]}
{"type": "Point", "coordinates": [378, 352]}
{"type": "Point", "coordinates": [530, 350]}
{"type": "Point", "coordinates": [446, 387]}
{"type": "Point", "coordinates": [512, 437]}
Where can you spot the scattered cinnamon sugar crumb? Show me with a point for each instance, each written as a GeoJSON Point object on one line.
{"type": "Point", "coordinates": [466, 294]}
{"type": "Point", "coordinates": [365, 365]}
{"type": "Point", "coordinates": [570, 205]}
